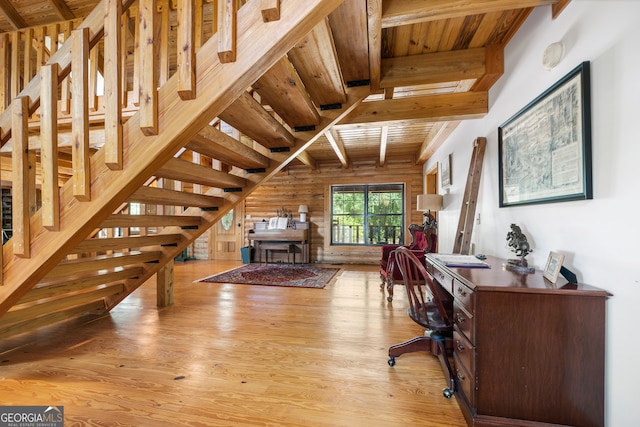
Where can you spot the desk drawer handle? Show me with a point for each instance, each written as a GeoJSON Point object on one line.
{"type": "Point", "coordinates": [462, 292]}
{"type": "Point", "coordinates": [460, 375]}
{"type": "Point", "coordinates": [460, 346]}
{"type": "Point", "coordinates": [460, 318]}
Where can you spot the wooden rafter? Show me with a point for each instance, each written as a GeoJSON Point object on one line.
{"type": "Point", "coordinates": [338, 147]}
{"type": "Point", "coordinates": [62, 10]}
{"type": "Point", "coordinates": [433, 68]}
{"type": "Point", "coordinates": [404, 12]}
{"type": "Point", "coordinates": [12, 15]}
{"type": "Point", "coordinates": [384, 137]}
{"type": "Point", "coordinates": [455, 106]}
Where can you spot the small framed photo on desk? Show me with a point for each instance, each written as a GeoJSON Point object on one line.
{"type": "Point", "coordinates": [552, 268]}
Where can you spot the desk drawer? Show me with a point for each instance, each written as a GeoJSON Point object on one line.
{"type": "Point", "coordinates": [464, 321]}
{"type": "Point", "coordinates": [466, 382]}
{"type": "Point", "coordinates": [464, 350]}
{"type": "Point", "coordinates": [445, 280]}
{"type": "Point", "coordinates": [463, 295]}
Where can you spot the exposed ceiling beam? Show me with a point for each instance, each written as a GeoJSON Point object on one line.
{"type": "Point", "coordinates": [405, 12]}
{"type": "Point", "coordinates": [454, 106]}
{"type": "Point", "coordinates": [374, 20]}
{"type": "Point", "coordinates": [494, 68]}
{"type": "Point", "coordinates": [12, 15]}
{"type": "Point", "coordinates": [62, 10]}
{"type": "Point", "coordinates": [431, 68]}
{"type": "Point", "coordinates": [384, 137]}
{"type": "Point", "coordinates": [338, 147]}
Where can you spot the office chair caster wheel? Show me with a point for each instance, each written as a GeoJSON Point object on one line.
{"type": "Point", "coordinates": [447, 392]}
{"type": "Point", "coordinates": [392, 361]}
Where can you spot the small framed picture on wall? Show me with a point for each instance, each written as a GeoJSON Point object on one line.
{"type": "Point", "coordinates": [445, 172]}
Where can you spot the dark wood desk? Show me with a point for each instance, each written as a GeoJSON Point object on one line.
{"type": "Point", "coordinates": [526, 352]}
{"type": "Point", "coordinates": [295, 240]}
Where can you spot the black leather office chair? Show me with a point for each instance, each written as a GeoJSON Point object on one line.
{"type": "Point", "coordinates": [430, 306]}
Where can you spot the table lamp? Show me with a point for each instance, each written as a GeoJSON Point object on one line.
{"type": "Point", "coordinates": [303, 210]}
{"type": "Point", "coordinates": [427, 203]}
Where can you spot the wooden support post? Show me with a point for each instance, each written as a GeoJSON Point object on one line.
{"type": "Point", "coordinates": [49, 147]}
{"type": "Point", "coordinates": [164, 285]}
{"type": "Point", "coordinates": [148, 89]}
{"type": "Point", "coordinates": [113, 84]}
{"type": "Point", "coordinates": [135, 93]}
{"type": "Point", "coordinates": [163, 5]}
{"type": "Point", "coordinates": [15, 65]}
{"type": "Point", "coordinates": [227, 28]}
{"type": "Point", "coordinates": [124, 33]}
{"type": "Point", "coordinates": [374, 20]}
{"type": "Point", "coordinates": [4, 67]}
{"type": "Point", "coordinates": [80, 112]}
{"type": "Point", "coordinates": [28, 55]}
{"type": "Point", "coordinates": [186, 52]}
{"type": "Point", "coordinates": [93, 78]}
{"type": "Point", "coordinates": [198, 27]}
{"type": "Point", "coordinates": [53, 30]}
{"type": "Point", "coordinates": [20, 174]}
{"type": "Point", "coordinates": [40, 48]}
{"type": "Point", "coordinates": [65, 94]}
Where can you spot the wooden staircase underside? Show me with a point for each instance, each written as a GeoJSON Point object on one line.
{"type": "Point", "coordinates": [62, 276]}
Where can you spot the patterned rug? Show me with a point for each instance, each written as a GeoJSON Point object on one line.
{"type": "Point", "coordinates": [299, 276]}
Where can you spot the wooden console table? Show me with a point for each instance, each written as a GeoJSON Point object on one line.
{"type": "Point", "coordinates": [526, 352]}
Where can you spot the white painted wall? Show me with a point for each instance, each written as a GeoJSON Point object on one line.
{"type": "Point", "coordinates": [599, 237]}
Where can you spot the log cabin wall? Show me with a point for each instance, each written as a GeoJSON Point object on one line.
{"type": "Point", "coordinates": [297, 185]}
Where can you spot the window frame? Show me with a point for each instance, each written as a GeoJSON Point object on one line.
{"type": "Point", "coordinates": [367, 189]}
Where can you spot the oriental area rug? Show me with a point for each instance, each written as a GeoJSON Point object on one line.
{"type": "Point", "coordinates": [298, 276]}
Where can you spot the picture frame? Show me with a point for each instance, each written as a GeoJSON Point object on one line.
{"type": "Point", "coordinates": [552, 267]}
{"type": "Point", "coordinates": [445, 172]}
{"type": "Point", "coordinates": [544, 150]}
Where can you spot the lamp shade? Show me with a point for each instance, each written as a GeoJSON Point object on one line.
{"type": "Point", "coordinates": [429, 202]}
{"type": "Point", "coordinates": [303, 209]}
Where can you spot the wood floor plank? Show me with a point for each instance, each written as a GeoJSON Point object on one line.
{"type": "Point", "coordinates": [234, 355]}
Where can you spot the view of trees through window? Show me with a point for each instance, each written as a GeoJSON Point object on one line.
{"type": "Point", "coordinates": [367, 214]}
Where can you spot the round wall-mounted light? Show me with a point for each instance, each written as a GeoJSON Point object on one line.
{"type": "Point", "coordinates": [552, 55]}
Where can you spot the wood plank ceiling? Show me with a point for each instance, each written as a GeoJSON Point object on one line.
{"type": "Point", "coordinates": [429, 65]}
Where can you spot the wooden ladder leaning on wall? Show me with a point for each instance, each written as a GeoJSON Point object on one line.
{"type": "Point", "coordinates": [462, 244]}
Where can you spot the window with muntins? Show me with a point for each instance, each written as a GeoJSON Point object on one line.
{"type": "Point", "coordinates": [369, 214]}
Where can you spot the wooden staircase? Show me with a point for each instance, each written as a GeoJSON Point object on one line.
{"type": "Point", "coordinates": [80, 250]}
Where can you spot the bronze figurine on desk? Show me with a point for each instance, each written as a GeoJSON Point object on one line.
{"type": "Point", "coordinates": [519, 244]}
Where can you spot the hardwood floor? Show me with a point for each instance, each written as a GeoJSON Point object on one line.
{"type": "Point", "coordinates": [234, 355]}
